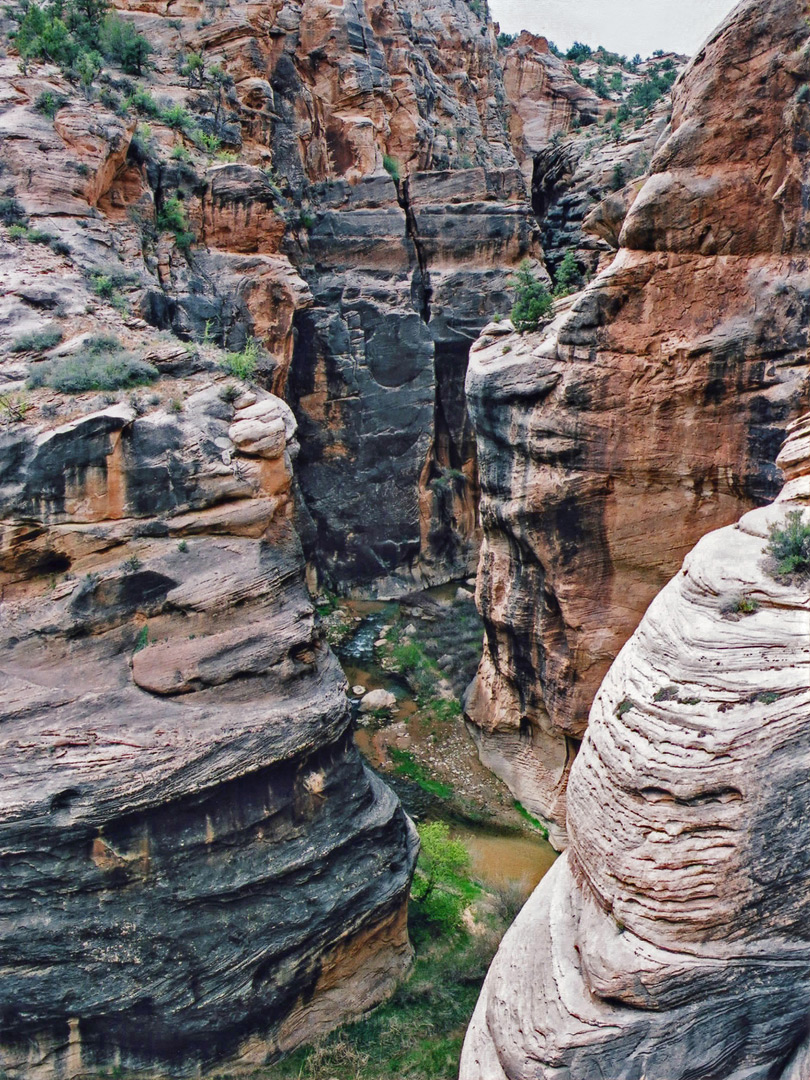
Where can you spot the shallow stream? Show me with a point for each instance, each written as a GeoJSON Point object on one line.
{"type": "Point", "coordinates": [501, 854]}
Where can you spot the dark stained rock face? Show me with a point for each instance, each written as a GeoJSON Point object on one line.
{"type": "Point", "coordinates": [416, 214]}
{"type": "Point", "coordinates": [387, 470]}
{"type": "Point", "coordinates": [181, 791]}
{"type": "Point", "coordinates": [651, 410]}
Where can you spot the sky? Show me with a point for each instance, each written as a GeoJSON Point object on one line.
{"type": "Point", "coordinates": [623, 26]}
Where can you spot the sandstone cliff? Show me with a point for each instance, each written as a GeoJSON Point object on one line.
{"type": "Point", "coordinates": [670, 940]}
{"type": "Point", "coordinates": [198, 868]}
{"type": "Point", "coordinates": [650, 411]}
{"type": "Point", "coordinates": [545, 98]}
{"type": "Point", "coordinates": [181, 791]}
{"type": "Point", "coordinates": [405, 266]}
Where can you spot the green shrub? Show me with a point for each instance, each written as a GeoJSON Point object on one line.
{"type": "Point", "coordinates": [578, 52]}
{"type": "Point", "coordinates": [13, 410]}
{"type": "Point", "coordinates": [11, 213]}
{"type": "Point", "coordinates": [242, 365]}
{"type": "Point", "coordinates": [37, 340]}
{"type": "Point", "coordinates": [44, 35]}
{"type": "Point", "coordinates": [532, 299]}
{"type": "Point", "coordinates": [121, 43]}
{"type": "Point", "coordinates": [102, 285]}
{"type": "Point", "coordinates": [101, 365]}
{"type": "Point", "coordinates": [49, 103]}
{"type": "Point", "coordinates": [175, 116]}
{"type": "Point", "coordinates": [739, 605]}
{"type": "Point", "coordinates": [179, 153]}
{"type": "Point", "coordinates": [391, 166]}
{"type": "Point", "coordinates": [210, 144]}
{"type": "Point", "coordinates": [39, 236]}
{"type": "Point", "coordinates": [617, 177]}
{"type": "Point", "coordinates": [440, 886]}
{"type": "Point", "coordinates": [789, 545]}
{"type": "Point", "coordinates": [172, 218]}
{"type": "Point", "coordinates": [568, 276]}
{"type": "Point", "coordinates": [142, 102]}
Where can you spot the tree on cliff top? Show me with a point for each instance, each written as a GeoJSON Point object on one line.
{"type": "Point", "coordinates": [532, 299]}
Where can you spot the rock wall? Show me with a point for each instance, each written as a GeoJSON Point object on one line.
{"type": "Point", "coordinates": [395, 271]}
{"type": "Point", "coordinates": [651, 410]}
{"type": "Point", "coordinates": [181, 790]}
{"type": "Point", "coordinates": [583, 187]}
{"type": "Point", "coordinates": [670, 940]}
{"type": "Point", "coordinates": [545, 98]}
{"type": "Point", "coordinates": [405, 267]}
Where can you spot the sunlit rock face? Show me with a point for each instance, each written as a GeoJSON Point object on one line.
{"type": "Point", "coordinates": [670, 940]}
{"type": "Point", "coordinates": [197, 868]}
{"type": "Point", "coordinates": [650, 411]}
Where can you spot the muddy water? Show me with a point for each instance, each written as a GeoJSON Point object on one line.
{"type": "Point", "coordinates": [499, 856]}
{"type": "Point", "coordinates": [499, 859]}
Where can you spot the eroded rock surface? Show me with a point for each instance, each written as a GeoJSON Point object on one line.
{"type": "Point", "coordinates": [546, 100]}
{"type": "Point", "coordinates": [652, 409]}
{"type": "Point", "coordinates": [670, 940]}
{"type": "Point", "coordinates": [181, 792]}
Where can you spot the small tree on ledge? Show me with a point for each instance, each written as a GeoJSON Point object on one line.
{"type": "Point", "coordinates": [532, 299]}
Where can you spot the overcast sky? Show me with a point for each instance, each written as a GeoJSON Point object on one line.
{"type": "Point", "coordinates": [624, 26]}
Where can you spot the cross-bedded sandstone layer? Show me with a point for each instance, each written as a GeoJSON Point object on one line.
{"type": "Point", "coordinates": [651, 410]}
{"type": "Point", "coordinates": [197, 868]}
{"type": "Point", "coordinates": [670, 940]}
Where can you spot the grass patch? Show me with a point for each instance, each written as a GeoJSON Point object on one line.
{"type": "Point", "coordinates": [532, 820]}
{"type": "Point", "coordinates": [38, 340]}
{"type": "Point", "coordinates": [242, 365]}
{"type": "Point", "coordinates": [405, 764]}
{"type": "Point", "coordinates": [101, 365]}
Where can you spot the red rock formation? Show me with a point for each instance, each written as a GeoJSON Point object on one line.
{"type": "Point", "coordinates": [545, 98]}
{"type": "Point", "coordinates": [650, 412]}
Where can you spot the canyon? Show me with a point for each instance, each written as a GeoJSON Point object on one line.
{"type": "Point", "coordinates": [293, 236]}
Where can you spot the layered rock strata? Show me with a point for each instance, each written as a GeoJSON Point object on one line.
{"type": "Point", "coordinates": [197, 866]}
{"type": "Point", "coordinates": [670, 940]}
{"type": "Point", "coordinates": [650, 411]}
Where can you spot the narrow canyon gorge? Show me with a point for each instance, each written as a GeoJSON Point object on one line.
{"type": "Point", "coordinates": [258, 370]}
